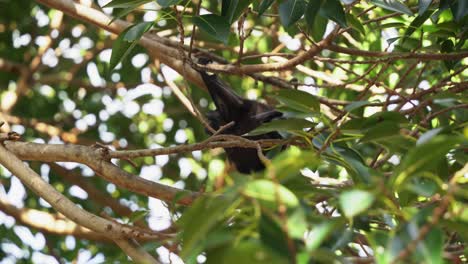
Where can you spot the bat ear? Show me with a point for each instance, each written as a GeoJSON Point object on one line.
{"type": "Point", "coordinates": [267, 116]}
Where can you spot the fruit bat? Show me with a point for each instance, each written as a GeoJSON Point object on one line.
{"type": "Point", "coordinates": [246, 114]}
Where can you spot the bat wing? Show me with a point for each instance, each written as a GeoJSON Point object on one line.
{"type": "Point", "coordinates": [227, 102]}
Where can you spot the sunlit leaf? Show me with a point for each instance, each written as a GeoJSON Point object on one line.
{"type": "Point", "coordinates": [355, 202]}
{"type": "Point", "coordinates": [425, 156]}
{"type": "Point", "coordinates": [270, 194]}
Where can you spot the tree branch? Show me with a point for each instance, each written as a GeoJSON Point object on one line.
{"type": "Point", "coordinates": [62, 204]}
{"type": "Point", "coordinates": [49, 223]}
{"type": "Point", "coordinates": [98, 160]}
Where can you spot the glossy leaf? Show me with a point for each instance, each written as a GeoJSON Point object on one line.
{"type": "Point", "coordinates": [355, 202]}
{"type": "Point", "coordinates": [290, 11]}
{"type": "Point", "coordinates": [299, 100]}
{"type": "Point", "coordinates": [240, 8]}
{"type": "Point", "coordinates": [216, 26]}
{"type": "Point", "coordinates": [355, 23]}
{"type": "Point", "coordinates": [264, 5]}
{"type": "Point", "coordinates": [246, 251]}
{"type": "Point", "coordinates": [228, 8]}
{"type": "Point", "coordinates": [201, 217]}
{"type": "Point", "coordinates": [393, 5]}
{"type": "Point", "coordinates": [381, 130]}
{"type": "Point", "coordinates": [167, 3]}
{"type": "Point", "coordinates": [417, 23]}
{"type": "Point", "coordinates": [334, 10]}
{"type": "Point", "coordinates": [137, 31]}
{"type": "Point", "coordinates": [423, 6]}
{"type": "Point", "coordinates": [126, 3]}
{"type": "Point", "coordinates": [273, 236]}
{"type": "Point", "coordinates": [290, 124]}
{"type": "Point", "coordinates": [316, 24]}
{"type": "Point", "coordinates": [120, 48]}
{"type": "Point", "coordinates": [425, 157]}
{"type": "Point", "coordinates": [428, 135]}
{"type": "Point", "coordinates": [320, 232]}
{"type": "Point", "coordinates": [270, 194]}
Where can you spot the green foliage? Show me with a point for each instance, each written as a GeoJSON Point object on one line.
{"type": "Point", "coordinates": [216, 26]}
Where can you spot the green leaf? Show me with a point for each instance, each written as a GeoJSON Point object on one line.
{"type": "Point", "coordinates": [126, 3]}
{"type": "Point", "coordinates": [423, 186]}
{"type": "Point", "coordinates": [216, 26]}
{"type": "Point", "coordinates": [320, 232]}
{"type": "Point", "coordinates": [290, 11]}
{"type": "Point", "coordinates": [246, 251]}
{"type": "Point", "coordinates": [264, 5]}
{"type": "Point", "coordinates": [384, 116]}
{"type": "Point", "coordinates": [333, 9]}
{"type": "Point", "coordinates": [351, 161]}
{"type": "Point", "coordinates": [392, 25]}
{"type": "Point", "coordinates": [227, 9]}
{"type": "Point", "coordinates": [240, 8]}
{"type": "Point", "coordinates": [289, 162]}
{"type": "Point", "coordinates": [355, 105]}
{"type": "Point", "coordinates": [381, 130]}
{"type": "Point", "coordinates": [299, 100]}
{"type": "Point", "coordinates": [311, 12]}
{"type": "Point", "coordinates": [167, 3]}
{"type": "Point", "coordinates": [428, 135]}
{"type": "Point", "coordinates": [393, 5]}
{"type": "Point", "coordinates": [297, 223]}
{"type": "Point", "coordinates": [423, 6]}
{"type": "Point", "coordinates": [137, 215]}
{"type": "Point", "coordinates": [122, 12]}
{"type": "Point", "coordinates": [355, 23]}
{"type": "Point", "coordinates": [416, 23]}
{"type": "Point", "coordinates": [126, 41]}
{"type": "Point", "coordinates": [269, 194]}
{"type": "Point", "coordinates": [203, 215]}
{"type": "Point", "coordinates": [425, 157]}
{"type": "Point", "coordinates": [233, 9]}
{"type": "Point", "coordinates": [432, 247]}
{"type": "Point", "coordinates": [137, 31]}
{"type": "Point", "coordinates": [290, 124]}
{"type": "Point", "coordinates": [456, 225]}
{"type": "Point", "coordinates": [459, 9]}
{"type": "Point", "coordinates": [316, 25]}
{"type": "Point", "coordinates": [272, 235]}
{"type": "Point", "coordinates": [355, 202]}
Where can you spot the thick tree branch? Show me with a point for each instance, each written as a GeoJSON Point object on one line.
{"type": "Point", "coordinates": [99, 196]}
{"type": "Point", "coordinates": [137, 254]}
{"type": "Point", "coordinates": [49, 223]}
{"type": "Point", "coordinates": [62, 204]}
{"type": "Point", "coordinates": [97, 160]}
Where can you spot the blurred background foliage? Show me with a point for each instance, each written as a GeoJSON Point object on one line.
{"type": "Point", "coordinates": [380, 171]}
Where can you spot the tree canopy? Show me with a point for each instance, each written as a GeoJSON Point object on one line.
{"type": "Point", "coordinates": [105, 155]}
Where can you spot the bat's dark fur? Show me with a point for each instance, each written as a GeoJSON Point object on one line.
{"type": "Point", "coordinates": [247, 115]}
